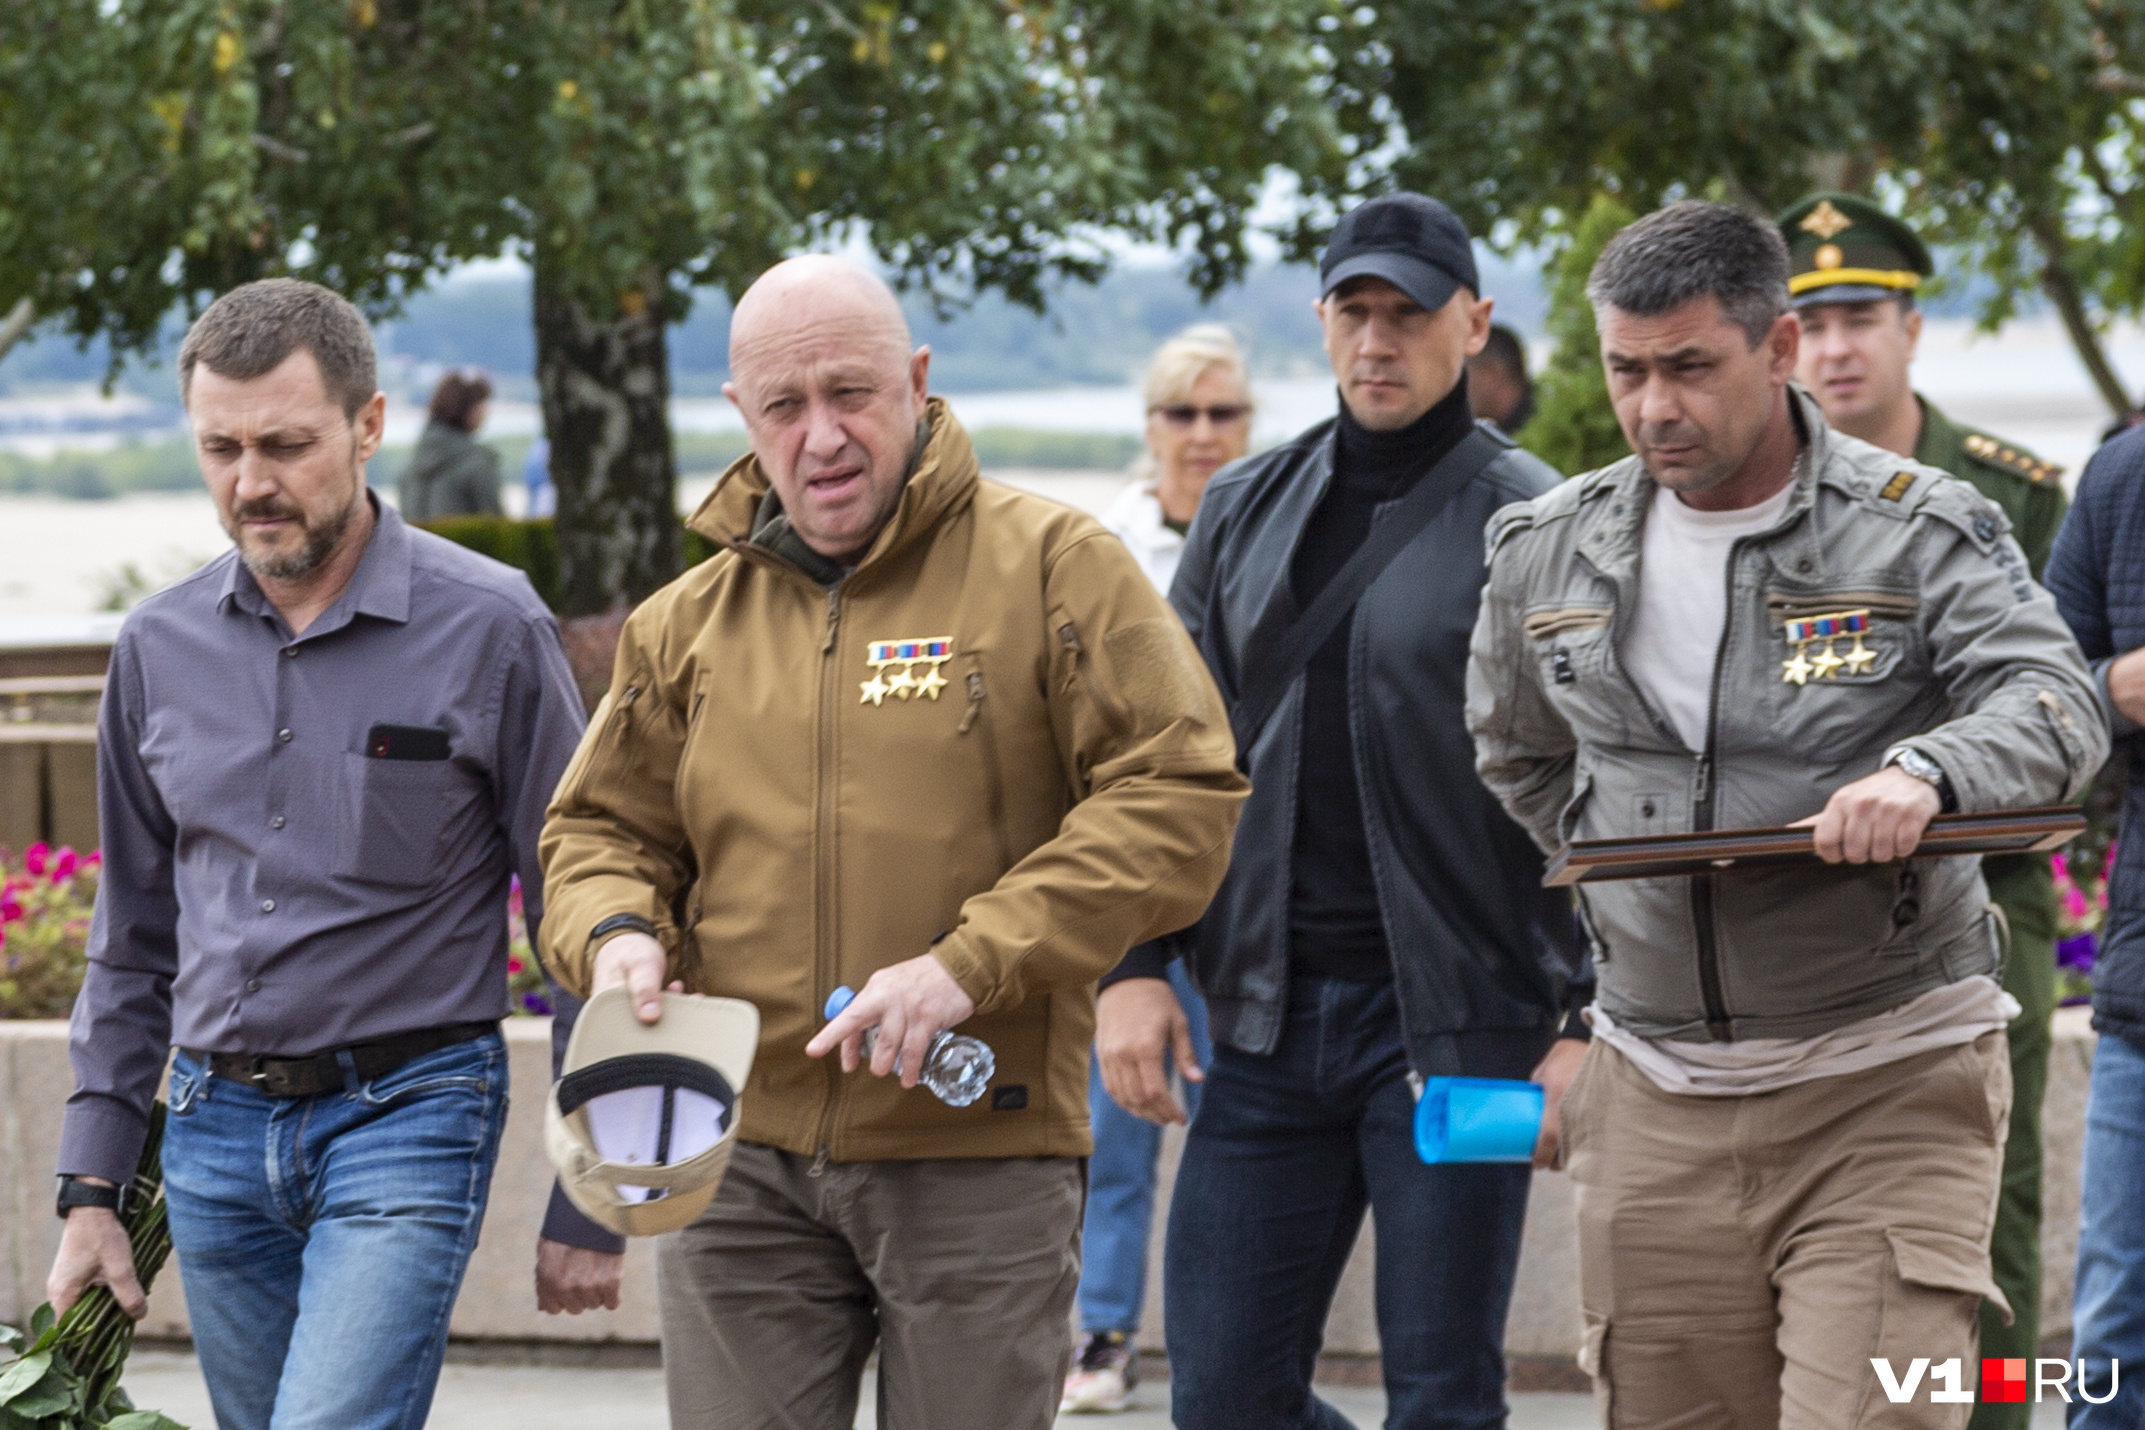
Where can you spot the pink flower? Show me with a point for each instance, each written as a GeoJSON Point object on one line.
{"type": "Point", "coordinates": [64, 865]}
{"type": "Point", "coordinates": [11, 909]}
{"type": "Point", "coordinates": [513, 965]}
{"type": "Point", "coordinates": [34, 857]}
{"type": "Point", "coordinates": [94, 859]}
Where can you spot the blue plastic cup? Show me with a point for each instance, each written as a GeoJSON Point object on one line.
{"type": "Point", "coordinates": [1477, 1119]}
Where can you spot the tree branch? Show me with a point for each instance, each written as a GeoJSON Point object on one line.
{"type": "Point", "coordinates": [17, 324]}
{"type": "Point", "coordinates": [277, 149]}
{"type": "Point", "coordinates": [2062, 290]}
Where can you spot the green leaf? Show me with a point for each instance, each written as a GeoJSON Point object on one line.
{"type": "Point", "coordinates": [41, 1320]}
{"type": "Point", "coordinates": [22, 1375]}
{"type": "Point", "coordinates": [143, 1420]}
{"type": "Point", "coordinates": [56, 1392]}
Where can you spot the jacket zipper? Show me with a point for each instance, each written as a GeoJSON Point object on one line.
{"type": "Point", "coordinates": [1718, 1022]}
{"type": "Point", "coordinates": [823, 899]}
{"type": "Point", "coordinates": [993, 781]}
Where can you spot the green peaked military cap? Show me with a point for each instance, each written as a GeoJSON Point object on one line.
{"type": "Point", "coordinates": [1845, 249]}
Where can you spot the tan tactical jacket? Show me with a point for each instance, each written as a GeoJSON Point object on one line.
{"type": "Point", "coordinates": [1963, 657]}
{"type": "Point", "coordinates": [992, 739]}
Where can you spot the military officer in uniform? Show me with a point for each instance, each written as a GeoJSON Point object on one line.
{"type": "Point", "coordinates": [1854, 270]}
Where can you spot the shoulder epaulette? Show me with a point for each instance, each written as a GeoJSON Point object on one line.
{"type": "Point", "coordinates": [2021, 464]}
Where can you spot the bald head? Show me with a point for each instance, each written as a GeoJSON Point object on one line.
{"type": "Point", "coordinates": [817, 292]}
{"type": "Point", "coordinates": [822, 367]}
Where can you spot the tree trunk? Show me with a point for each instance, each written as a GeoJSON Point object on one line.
{"type": "Point", "coordinates": [16, 324]}
{"type": "Point", "coordinates": [2062, 290]}
{"type": "Point", "coordinates": [605, 385]}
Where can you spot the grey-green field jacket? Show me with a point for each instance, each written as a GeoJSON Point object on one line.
{"type": "Point", "coordinates": [1972, 666]}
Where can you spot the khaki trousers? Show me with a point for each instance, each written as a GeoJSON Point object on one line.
{"type": "Point", "coordinates": [1742, 1259]}
{"type": "Point", "coordinates": [962, 1271]}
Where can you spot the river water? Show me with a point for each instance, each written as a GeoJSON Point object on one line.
{"type": "Point", "coordinates": [66, 557]}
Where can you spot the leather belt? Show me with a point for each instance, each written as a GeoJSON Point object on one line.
{"type": "Point", "coordinates": [323, 1072]}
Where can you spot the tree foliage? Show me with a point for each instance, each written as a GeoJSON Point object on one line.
{"type": "Point", "coordinates": [1574, 426]}
{"type": "Point", "coordinates": [638, 149]}
{"type": "Point", "coordinates": [2012, 130]}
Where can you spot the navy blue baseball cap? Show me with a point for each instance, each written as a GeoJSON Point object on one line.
{"type": "Point", "coordinates": [1412, 242]}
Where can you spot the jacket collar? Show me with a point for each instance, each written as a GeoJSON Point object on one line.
{"type": "Point", "coordinates": [742, 512]}
{"type": "Point", "coordinates": [1614, 537]}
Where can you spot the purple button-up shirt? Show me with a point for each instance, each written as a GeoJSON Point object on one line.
{"type": "Point", "coordinates": [268, 886]}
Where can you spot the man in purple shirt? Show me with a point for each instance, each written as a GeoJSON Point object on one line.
{"type": "Point", "coordinates": [320, 759]}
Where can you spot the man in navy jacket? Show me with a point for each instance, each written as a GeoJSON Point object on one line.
{"type": "Point", "coordinates": [2097, 573]}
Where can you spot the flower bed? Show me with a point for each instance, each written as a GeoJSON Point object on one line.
{"type": "Point", "coordinates": [47, 896]}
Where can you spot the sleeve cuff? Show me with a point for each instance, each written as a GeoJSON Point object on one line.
{"type": "Point", "coordinates": [567, 1224]}
{"type": "Point", "coordinates": [99, 1137]}
{"type": "Point", "coordinates": [2120, 726]}
{"type": "Point", "coordinates": [1143, 960]}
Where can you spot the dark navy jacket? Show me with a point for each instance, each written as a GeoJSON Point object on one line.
{"type": "Point", "coordinates": [1486, 961]}
{"type": "Point", "coordinates": [2097, 573]}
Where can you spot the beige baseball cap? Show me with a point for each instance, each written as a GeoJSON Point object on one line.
{"type": "Point", "coordinates": [643, 1117]}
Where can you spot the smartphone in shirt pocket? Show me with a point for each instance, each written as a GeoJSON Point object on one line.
{"type": "Point", "coordinates": [405, 784]}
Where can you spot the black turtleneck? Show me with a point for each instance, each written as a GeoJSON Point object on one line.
{"type": "Point", "coordinates": [1334, 928]}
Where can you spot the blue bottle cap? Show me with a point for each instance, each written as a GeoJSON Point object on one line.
{"type": "Point", "coordinates": [839, 999]}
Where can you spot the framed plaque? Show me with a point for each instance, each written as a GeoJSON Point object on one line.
{"type": "Point", "coordinates": [1661, 856]}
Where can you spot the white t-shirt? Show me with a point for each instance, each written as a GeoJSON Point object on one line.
{"type": "Point", "coordinates": [1944, 1017]}
{"type": "Point", "coordinates": [1674, 636]}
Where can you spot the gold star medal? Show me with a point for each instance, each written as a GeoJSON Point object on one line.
{"type": "Point", "coordinates": [903, 657]}
{"type": "Point", "coordinates": [1803, 667]}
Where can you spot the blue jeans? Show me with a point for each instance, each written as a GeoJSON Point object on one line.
{"type": "Point", "coordinates": [1120, 1187]}
{"type": "Point", "coordinates": [322, 1239]}
{"type": "Point", "coordinates": [2108, 1311]}
{"type": "Point", "coordinates": [1287, 1152]}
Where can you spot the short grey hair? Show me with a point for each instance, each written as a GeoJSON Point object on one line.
{"type": "Point", "coordinates": [1693, 250]}
{"type": "Point", "coordinates": [250, 330]}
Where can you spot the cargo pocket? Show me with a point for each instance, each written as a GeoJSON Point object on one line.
{"type": "Point", "coordinates": [1940, 1280]}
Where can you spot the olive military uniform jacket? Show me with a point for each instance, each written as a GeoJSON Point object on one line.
{"type": "Point", "coordinates": [2030, 491]}
{"type": "Point", "coordinates": [1966, 660]}
{"type": "Point", "coordinates": [991, 740]}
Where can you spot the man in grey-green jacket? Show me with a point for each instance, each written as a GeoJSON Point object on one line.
{"type": "Point", "coordinates": [1787, 1134]}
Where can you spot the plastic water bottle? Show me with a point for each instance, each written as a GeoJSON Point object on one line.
{"type": "Point", "coordinates": [956, 1067]}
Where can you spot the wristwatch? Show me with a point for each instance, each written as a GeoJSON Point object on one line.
{"type": "Point", "coordinates": [1913, 762]}
{"type": "Point", "coordinates": [74, 1192]}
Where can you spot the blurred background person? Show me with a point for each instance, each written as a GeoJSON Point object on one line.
{"type": "Point", "coordinates": [536, 476]}
{"type": "Point", "coordinates": [1198, 420]}
{"type": "Point", "coordinates": [1498, 387]}
{"type": "Point", "coordinates": [1199, 411]}
{"type": "Point", "coordinates": [451, 473]}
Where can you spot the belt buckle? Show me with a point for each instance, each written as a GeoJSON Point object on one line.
{"type": "Point", "coordinates": [257, 1073]}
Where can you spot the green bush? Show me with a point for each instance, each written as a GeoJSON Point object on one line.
{"type": "Point", "coordinates": [93, 476]}
{"type": "Point", "coordinates": [1574, 426]}
{"type": "Point", "coordinates": [532, 547]}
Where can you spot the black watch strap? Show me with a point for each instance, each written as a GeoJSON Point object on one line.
{"type": "Point", "coordinates": [621, 923]}
{"type": "Point", "coordinates": [74, 1192]}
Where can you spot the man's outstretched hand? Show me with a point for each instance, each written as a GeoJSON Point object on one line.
{"type": "Point", "coordinates": [1138, 1024]}
{"type": "Point", "coordinates": [94, 1251]}
{"type": "Point", "coordinates": [1874, 820]}
{"type": "Point", "coordinates": [912, 1003]}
